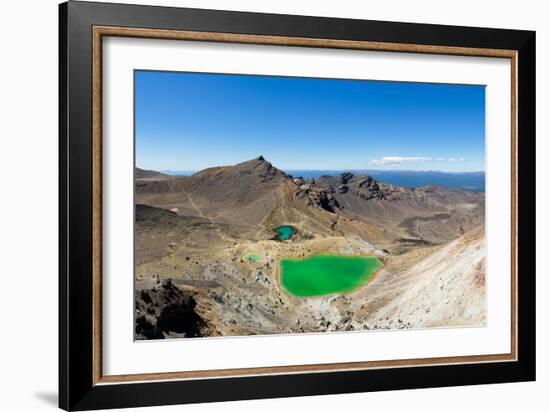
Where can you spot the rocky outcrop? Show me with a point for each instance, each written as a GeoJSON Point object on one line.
{"type": "Point", "coordinates": [344, 178]}
{"type": "Point", "coordinates": [364, 187]}
{"type": "Point", "coordinates": [167, 311]}
{"type": "Point", "coordinates": [318, 197]}
{"type": "Point", "coordinates": [324, 200]}
{"type": "Point", "coordinates": [342, 189]}
{"type": "Point", "coordinates": [368, 188]}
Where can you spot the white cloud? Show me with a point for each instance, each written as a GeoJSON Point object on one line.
{"type": "Point", "coordinates": [398, 160]}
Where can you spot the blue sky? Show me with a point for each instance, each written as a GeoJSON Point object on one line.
{"type": "Point", "coordinates": [190, 121]}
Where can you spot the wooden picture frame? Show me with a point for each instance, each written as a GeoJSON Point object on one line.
{"type": "Point", "coordinates": [82, 385]}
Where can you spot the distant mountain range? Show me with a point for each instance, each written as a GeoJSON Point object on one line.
{"type": "Point", "coordinates": [474, 181]}
{"type": "Point", "coordinates": [255, 192]}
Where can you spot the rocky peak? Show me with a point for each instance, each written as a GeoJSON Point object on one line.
{"type": "Point", "coordinates": [344, 178]}
{"type": "Point", "coordinates": [348, 184]}
{"type": "Point", "coordinates": [260, 167]}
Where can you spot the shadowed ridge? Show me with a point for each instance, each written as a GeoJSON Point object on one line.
{"type": "Point", "coordinates": [143, 174]}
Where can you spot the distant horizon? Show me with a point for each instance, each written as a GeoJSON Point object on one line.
{"type": "Point", "coordinates": [470, 180]}
{"type": "Point", "coordinates": [348, 169]}
{"type": "Point", "coordinates": [187, 122]}
{"type": "Point", "coordinates": [186, 172]}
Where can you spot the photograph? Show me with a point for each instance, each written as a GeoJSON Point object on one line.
{"type": "Point", "coordinates": [282, 204]}
{"type": "Point", "coordinates": [287, 205]}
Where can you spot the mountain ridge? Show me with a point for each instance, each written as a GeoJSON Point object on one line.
{"type": "Point", "coordinates": [255, 192]}
{"type": "Point", "coordinates": [466, 180]}
{"type": "Point", "coordinates": [144, 174]}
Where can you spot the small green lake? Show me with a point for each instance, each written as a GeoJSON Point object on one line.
{"type": "Point", "coordinates": [252, 257]}
{"type": "Point", "coordinates": [326, 274]}
{"type": "Point", "coordinates": [285, 232]}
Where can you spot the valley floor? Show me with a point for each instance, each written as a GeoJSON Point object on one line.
{"type": "Point", "coordinates": [428, 285]}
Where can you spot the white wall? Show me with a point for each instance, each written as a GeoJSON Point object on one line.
{"type": "Point", "coordinates": [28, 202]}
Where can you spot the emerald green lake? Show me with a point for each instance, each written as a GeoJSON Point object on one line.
{"type": "Point", "coordinates": [252, 257]}
{"type": "Point", "coordinates": [326, 274]}
{"type": "Point", "coordinates": [285, 232]}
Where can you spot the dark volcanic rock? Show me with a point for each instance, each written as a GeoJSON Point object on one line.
{"type": "Point", "coordinates": [366, 181]}
{"type": "Point", "coordinates": [342, 189]}
{"type": "Point", "coordinates": [364, 187]}
{"type": "Point", "coordinates": [344, 178]}
{"type": "Point", "coordinates": [369, 189]}
{"type": "Point", "coordinates": [328, 202]}
{"type": "Point", "coordinates": [167, 310]}
{"type": "Point", "coordinates": [318, 197]}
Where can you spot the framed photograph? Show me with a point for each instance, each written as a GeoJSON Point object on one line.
{"type": "Point", "coordinates": [256, 205]}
